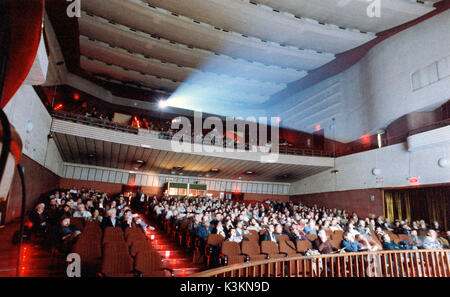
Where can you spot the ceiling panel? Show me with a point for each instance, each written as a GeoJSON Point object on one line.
{"type": "Point", "coordinates": [171, 52]}
{"type": "Point", "coordinates": [353, 13]}
{"type": "Point", "coordinates": [266, 24]}
{"type": "Point", "coordinates": [188, 32]}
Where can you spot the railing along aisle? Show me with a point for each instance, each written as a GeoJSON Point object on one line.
{"type": "Point", "coordinates": [404, 263]}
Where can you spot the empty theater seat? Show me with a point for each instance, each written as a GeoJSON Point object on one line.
{"type": "Point", "coordinates": [231, 253]}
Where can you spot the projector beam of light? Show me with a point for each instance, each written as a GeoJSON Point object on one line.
{"type": "Point", "coordinates": [162, 104]}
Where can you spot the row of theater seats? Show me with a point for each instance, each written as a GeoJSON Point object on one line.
{"type": "Point", "coordinates": [252, 249]}
{"type": "Point", "coordinates": [220, 252]}
{"type": "Point", "coordinates": [114, 253]}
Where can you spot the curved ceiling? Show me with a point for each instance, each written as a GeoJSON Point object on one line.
{"type": "Point", "coordinates": [220, 56]}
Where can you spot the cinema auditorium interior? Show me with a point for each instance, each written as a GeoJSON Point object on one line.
{"type": "Point", "coordinates": [212, 138]}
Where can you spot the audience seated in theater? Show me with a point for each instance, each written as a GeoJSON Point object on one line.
{"type": "Point", "coordinates": [39, 219]}
{"type": "Point", "coordinates": [311, 228]}
{"type": "Point", "coordinates": [414, 239]}
{"type": "Point", "coordinates": [322, 244]}
{"type": "Point", "coordinates": [81, 212]}
{"type": "Point", "coordinates": [270, 235]}
{"type": "Point", "coordinates": [64, 235]}
{"type": "Point", "coordinates": [445, 240]}
{"type": "Point", "coordinates": [351, 245]}
{"type": "Point", "coordinates": [234, 237]}
{"type": "Point", "coordinates": [111, 220]}
{"type": "Point", "coordinates": [430, 241]}
{"type": "Point", "coordinates": [96, 216]}
{"type": "Point", "coordinates": [388, 244]}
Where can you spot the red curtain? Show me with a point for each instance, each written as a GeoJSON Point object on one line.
{"type": "Point", "coordinates": [24, 19]}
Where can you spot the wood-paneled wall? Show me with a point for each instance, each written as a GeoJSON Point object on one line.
{"type": "Point", "coordinates": [358, 201]}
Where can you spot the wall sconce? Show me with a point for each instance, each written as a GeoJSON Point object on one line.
{"type": "Point", "coordinates": [335, 171]}
{"type": "Point", "coordinates": [376, 171]}
{"type": "Point", "coordinates": [443, 162]}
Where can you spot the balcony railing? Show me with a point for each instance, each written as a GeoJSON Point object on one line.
{"type": "Point", "coordinates": [94, 122]}
{"type": "Point", "coordinates": [429, 127]}
{"type": "Point", "coordinates": [404, 263]}
{"type": "Point", "coordinates": [168, 136]}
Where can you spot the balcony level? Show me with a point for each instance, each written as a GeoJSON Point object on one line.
{"type": "Point", "coordinates": [100, 143]}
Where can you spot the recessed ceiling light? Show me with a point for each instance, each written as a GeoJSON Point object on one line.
{"type": "Point", "coordinates": [214, 170]}
{"type": "Point", "coordinates": [140, 161]}
{"type": "Point", "coordinates": [250, 172]}
{"type": "Point", "coordinates": [145, 145]}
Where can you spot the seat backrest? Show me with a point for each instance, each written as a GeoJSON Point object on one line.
{"type": "Point", "coordinates": [375, 237]}
{"type": "Point", "coordinates": [282, 237]}
{"type": "Point", "coordinates": [269, 247]}
{"type": "Point", "coordinates": [115, 248]}
{"type": "Point", "coordinates": [133, 231]}
{"type": "Point", "coordinates": [287, 246]}
{"type": "Point", "coordinates": [215, 239]}
{"type": "Point", "coordinates": [329, 233]}
{"type": "Point", "coordinates": [230, 248]}
{"type": "Point", "coordinates": [311, 237]}
{"type": "Point", "coordinates": [252, 236]}
{"type": "Point", "coordinates": [135, 237]}
{"type": "Point", "coordinates": [250, 247]}
{"type": "Point", "coordinates": [392, 235]}
{"type": "Point", "coordinates": [139, 245]}
{"type": "Point", "coordinates": [303, 245]}
{"type": "Point", "coordinates": [79, 222]}
{"type": "Point", "coordinates": [112, 234]}
{"type": "Point", "coordinates": [148, 261]}
{"type": "Point", "coordinates": [87, 250]}
{"type": "Point", "coordinates": [423, 232]}
{"type": "Point", "coordinates": [338, 234]}
{"type": "Point", "coordinates": [113, 230]}
{"type": "Point", "coordinates": [114, 264]}
{"type": "Point", "coordinates": [402, 237]}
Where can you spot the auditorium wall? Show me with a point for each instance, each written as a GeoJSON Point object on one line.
{"type": "Point", "coordinates": [38, 180]}
{"type": "Point", "coordinates": [30, 118]}
{"type": "Point", "coordinates": [396, 163]}
{"type": "Point", "coordinates": [40, 157]}
{"type": "Point", "coordinates": [109, 188]}
{"type": "Point", "coordinates": [364, 202]}
{"type": "Point", "coordinates": [355, 182]}
{"type": "Point", "coordinates": [405, 73]}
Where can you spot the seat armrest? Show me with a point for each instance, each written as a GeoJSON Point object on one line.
{"type": "Point", "coordinates": [208, 250]}
{"type": "Point", "coordinates": [138, 273]}
{"type": "Point", "coordinates": [170, 271]}
{"type": "Point", "coordinates": [224, 259]}
{"type": "Point", "coordinates": [267, 255]}
{"type": "Point", "coordinates": [247, 257]}
{"type": "Point", "coordinates": [284, 253]}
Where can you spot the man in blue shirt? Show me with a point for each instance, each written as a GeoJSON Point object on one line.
{"type": "Point", "coordinates": [350, 245]}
